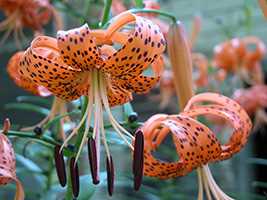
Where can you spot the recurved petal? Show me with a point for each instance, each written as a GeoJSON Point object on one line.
{"type": "Point", "coordinates": [41, 63]}
{"type": "Point", "coordinates": [78, 48]}
{"type": "Point", "coordinates": [142, 83]}
{"type": "Point", "coordinates": [228, 109]}
{"type": "Point", "coordinates": [23, 82]}
{"type": "Point", "coordinates": [144, 44]}
{"type": "Point", "coordinates": [117, 95]}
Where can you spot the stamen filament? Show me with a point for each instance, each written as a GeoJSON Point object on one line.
{"type": "Point", "coordinates": [86, 131]}
{"type": "Point", "coordinates": [74, 131]}
{"type": "Point", "coordinates": [210, 185]}
{"type": "Point", "coordinates": [114, 123]}
{"type": "Point", "coordinates": [104, 140]}
{"type": "Point", "coordinates": [200, 184]}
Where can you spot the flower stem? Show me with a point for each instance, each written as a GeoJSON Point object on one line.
{"type": "Point", "coordinates": [106, 12]}
{"type": "Point", "coordinates": [68, 195]}
{"type": "Point", "coordinates": [46, 140]}
{"type": "Point", "coordinates": [162, 13]}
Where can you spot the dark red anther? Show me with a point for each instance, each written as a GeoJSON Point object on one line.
{"type": "Point", "coordinates": [138, 159]}
{"type": "Point", "coordinates": [110, 175]}
{"type": "Point", "coordinates": [38, 131]}
{"type": "Point", "coordinates": [60, 166]}
{"type": "Point", "coordinates": [74, 173]}
{"type": "Point", "coordinates": [92, 155]}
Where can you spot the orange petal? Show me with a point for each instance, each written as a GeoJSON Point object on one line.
{"type": "Point", "coordinates": [117, 95]}
{"type": "Point", "coordinates": [78, 48]}
{"type": "Point", "coordinates": [42, 64]}
{"type": "Point", "coordinates": [8, 166]}
{"type": "Point", "coordinates": [22, 81]}
{"type": "Point", "coordinates": [263, 5]}
{"type": "Point", "coordinates": [142, 84]}
{"type": "Point", "coordinates": [229, 110]}
{"type": "Point", "coordinates": [141, 49]}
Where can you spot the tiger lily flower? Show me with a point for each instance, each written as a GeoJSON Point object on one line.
{"type": "Point", "coordinates": [32, 14]}
{"type": "Point", "coordinates": [58, 106]}
{"type": "Point", "coordinates": [8, 162]}
{"type": "Point", "coordinates": [253, 100]}
{"type": "Point", "coordinates": [83, 62]}
{"type": "Point", "coordinates": [195, 143]}
{"type": "Point", "coordinates": [235, 56]}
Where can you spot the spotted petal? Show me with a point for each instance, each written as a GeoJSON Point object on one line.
{"type": "Point", "coordinates": [228, 109]}
{"type": "Point", "coordinates": [22, 81]}
{"type": "Point", "coordinates": [144, 45]}
{"type": "Point", "coordinates": [78, 48]}
{"type": "Point", "coordinates": [8, 166]}
{"type": "Point", "coordinates": [42, 64]}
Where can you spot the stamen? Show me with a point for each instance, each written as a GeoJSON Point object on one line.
{"type": "Point", "coordinates": [114, 123]}
{"type": "Point", "coordinates": [212, 185]}
{"type": "Point", "coordinates": [74, 173]}
{"type": "Point", "coordinates": [90, 108]}
{"type": "Point", "coordinates": [200, 185]}
{"type": "Point", "coordinates": [138, 159]}
{"type": "Point", "coordinates": [60, 166]}
{"type": "Point", "coordinates": [110, 175]}
{"type": "Point", "coordinates": [74, 131]}
{"type": "Point", "coordinates": [104, 140]}
{"type": "Point", "coordinates": [92, 155]}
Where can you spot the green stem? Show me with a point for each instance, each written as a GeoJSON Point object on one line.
{"type": "Point", "coordinates": [46, 140]}
{"type": "Point", "coordinates": [162, 13]}
{"type": "Point", "coordinates": [139, 3]}
{"type": "Point", "coordinates": [106, 13]}
{"type": "Point", "coordinates": [68, 195]}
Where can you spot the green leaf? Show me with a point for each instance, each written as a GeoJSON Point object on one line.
{"type": "Point", "coordinates": [28, 164]}
{"type": "Point", "coordinates": [27, 107]}
{"type": "Point", "coordinates": [257, 161]}
{"type": "Point", "coordinates": [58, 118]}
{"type": "Point", "coordinates": [34, 99]}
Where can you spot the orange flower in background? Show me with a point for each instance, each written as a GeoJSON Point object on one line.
{"type": "Point", "coordinates": [200, 63]}
{"type": "Point", "coordinates": [236, 56]}
{"type": "Point", "coordinates": [195, 143]}
{"type": "Point", "coordinates": [8, 163]}
{"type": "Point", "coordinates": [263, 6]}
{"type": "Point", "coordinates": [253, 100]}
{"type": "Point", "coordinates": [32, 14]}
{"type": "Point", "coordinates": [83, 62]}
{"type": "Point", "coordinates": [58, 106]}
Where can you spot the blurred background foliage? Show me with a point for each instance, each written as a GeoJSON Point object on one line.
{"type": "Point", "coordinates": [243, 176]}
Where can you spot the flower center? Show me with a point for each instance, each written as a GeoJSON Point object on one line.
{"type": "Point", "coordinates": [97, 103]}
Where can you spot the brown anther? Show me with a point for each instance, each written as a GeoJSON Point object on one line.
{"type": "Point", "coordinates": [74, 173]}
{"type": "Point", "coordinates": [138, 159]}
{"type": "Point", "coordinates": [110, 175]}
{"type": "Point", "coordinates": [92, 155]}
{"type": "Point", "coordinates": [60, 166]}
{"type": "Point", "coordinates": [6, 126]}
{"type": "Point", "coordinates": [38, 131]}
